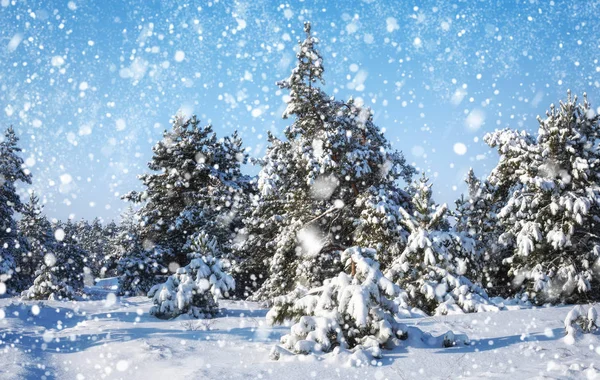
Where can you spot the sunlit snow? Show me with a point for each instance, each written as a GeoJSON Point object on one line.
{"type": "Point", "coordinates": [431, 194]}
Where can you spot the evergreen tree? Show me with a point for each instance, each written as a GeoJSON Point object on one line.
{"type": "Point", "coordinates": [196, 184]}
{"type": "Point", "coordinates": [331, 183]}
{"type": "Point", "coordinates": [432, 266]}
{"type": "Point", "coordinates": [47, 285]}
{"type": "Point", "coordinates": [94, 239]}
{"type": "Point", "coordinates": [61, 274]}
{"type": "Point", "coordinates": [109, 233]}
{"type": "Point", "coordinates": [11, 244]}
{"type": "Point", "coordinates": [70, 257]}
{"type": "Point", "coordinates": [38, 234]}
{"type": "Point", "coordinates": [354, 310]}
{"type": "Point", "coordinates": [475, 216]}
{"type": "Point", "coordinates": [550, 219]}
{"type": "Point", "coordinates": [138, 267]}
{"type": "Point", "coordinates": [195, 288]}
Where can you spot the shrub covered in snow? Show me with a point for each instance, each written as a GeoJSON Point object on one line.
{"type": "Point", "coordinates": [432, 266]}
{"type": "Point", "coordinates": [354, 310]}
{"type": "Point", "coordinates": [195, 288]}
{"type": "Point", "coordinates": [578, 321]}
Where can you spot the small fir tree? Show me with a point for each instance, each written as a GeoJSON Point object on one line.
{"type": "Point", "coordinates": [108, 265]}
{"type": "Point", "coordinates": [38, 234]}
{"type": "Point", "coordinates": [137, 266]}
{"type": "Point", "coordinates": [48, 286]}
{"type": "Point", "coordinates": [61, 274]}
{"type": "Point", "coordinates": [195, 288]}
{"type": "Point", "coordinates": [355, 310]}
{"type": "Point", "coordinates": [432, 266]}
{"type": "Point", "coordinates": [475, 216]}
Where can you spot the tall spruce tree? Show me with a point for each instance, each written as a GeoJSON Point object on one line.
{"type": "Point", "coordinates": [551, 217]}
{"type": "Point", "coordinates": [475, 215]}
{"type": "Point", "coordinates": [11, 244]}
{"type": "Point", "coordinates": [196, 184]}
{"type": "Point", "coordinates": [38, 234]}
{"type": "Point", "coordinates": [137, 266]}
{"type": "Point", "coordinates": [330, 184]}
{"type": "Point", "coordinates": [94, 238]}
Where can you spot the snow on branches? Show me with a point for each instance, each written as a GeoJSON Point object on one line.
{"type": "Point", "coordinates": [577, 322]}
{"type": "Point", "coordinates": [550, 188]}
{"type": "Point", "coordinates": [355, 310]}
{"type": "Point", "coordinates": [195, 288]}
{"type": "Point", "coordinates": [432, 266]}
{"type": "Point", "coordinates": [335, 174]}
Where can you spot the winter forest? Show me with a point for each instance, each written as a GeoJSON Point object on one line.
{"type": "Point", "coordinates": [250, 190]}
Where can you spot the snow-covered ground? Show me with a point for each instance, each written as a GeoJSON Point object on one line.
{"type": "Point", "coordinates": [113, 338]}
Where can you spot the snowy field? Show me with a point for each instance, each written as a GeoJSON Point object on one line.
{"type": "Point", "coordinates": [116, 338]}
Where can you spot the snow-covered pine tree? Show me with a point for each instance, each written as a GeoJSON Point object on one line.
{"type": "Point", "coordinates": [92, 237]}
{"type": "Point", "coordinates": [551, 217]}
{"type": "Point", "coordinates": [196, 184]}
{"type": "Point", "coordinates": [331, 183]}
{"type": "Point", "coordinates": [196, 288]}
{"type": "Point", "coordinates": [47, 284]}
{"type": "Point", "coordinates": [354, 310]}
{"type": "Point", "coordinates": [432, 266]}
{"type": "Point", "coordinates": [11, 244]}
{"type": "Point", "coordinates": [61, 274]}
{"type": "Point", "coordinates": [469, 210]}
{"type": "Point", "coordinates": [71, 257]}
{"type": "Point", "coordinates": [109, 233]}
{"type": "Point", "coordinates": [138, 267]}
{"type": "Point", "coordinates": [38, 234]}
{"type": "Point", "coordinates": [475, 215]}
{"type": "Point", "coordinates": [252, 266]}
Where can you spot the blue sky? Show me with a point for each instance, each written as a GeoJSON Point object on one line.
{"type": "Point", "coordinates": [91, 85]}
